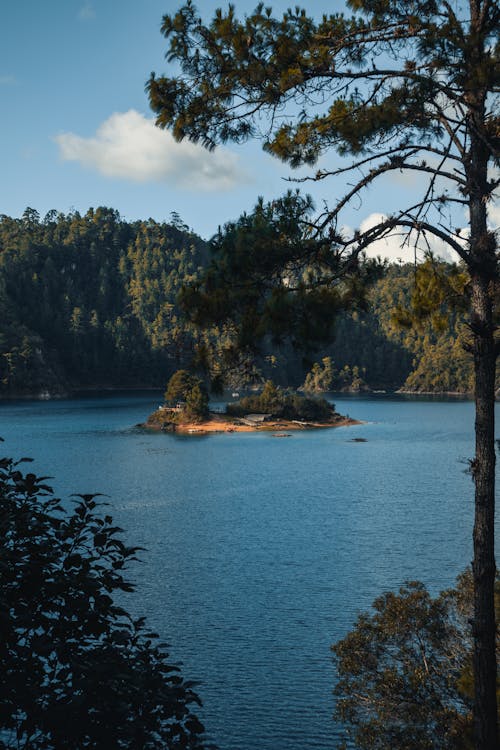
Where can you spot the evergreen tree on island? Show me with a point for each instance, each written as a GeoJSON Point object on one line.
{"type": "Point", "coordinates": [190, 391]}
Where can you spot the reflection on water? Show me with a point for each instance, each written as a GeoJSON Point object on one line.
{"type": "Point", "coordinates": [260, 552]}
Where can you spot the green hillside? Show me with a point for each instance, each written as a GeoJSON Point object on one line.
{"type": "Point", "coordinates": [91, 301]}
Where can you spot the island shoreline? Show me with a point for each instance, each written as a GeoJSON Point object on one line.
{"type": "Point", "coordinates": [222, 423]}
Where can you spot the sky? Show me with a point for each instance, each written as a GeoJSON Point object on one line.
{"type": "Point", "coordinates": [77, 131]}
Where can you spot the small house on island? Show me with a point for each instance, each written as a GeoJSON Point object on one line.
{"type": "Point", "coordinates": [173, 406]}
{"type": "Point", "coordinates": [253, 420]}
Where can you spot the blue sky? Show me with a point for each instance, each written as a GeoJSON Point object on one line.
{"type": "Point", "coordinates": [77, 130]}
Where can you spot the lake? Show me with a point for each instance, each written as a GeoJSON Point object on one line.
{"type": "Point", "coordinates": [260, 552]}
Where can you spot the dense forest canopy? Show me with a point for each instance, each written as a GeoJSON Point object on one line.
{"type": "Point", "coordinates": [91, 301]}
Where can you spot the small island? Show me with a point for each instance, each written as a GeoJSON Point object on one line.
{"type": "Point", "coordinates": [274, 409]}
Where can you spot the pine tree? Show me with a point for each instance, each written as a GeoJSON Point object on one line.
{"type": "Point", "coordinates": [401, 86]}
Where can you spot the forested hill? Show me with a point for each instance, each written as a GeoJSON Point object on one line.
{"type": "Point", "coordinates": [373, 349]}
{"type": "Point", "coordinates": [90, 301]}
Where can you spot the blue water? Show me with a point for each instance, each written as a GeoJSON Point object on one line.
{"type": "Point", "coordinates": [260, 552]}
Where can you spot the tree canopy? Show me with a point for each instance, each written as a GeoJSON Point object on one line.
{"type": "Point", "coordinates": [191, 391]}
{"type": "Point", "coordinates": [405, 670]}
{"type": "Point", "coordinates": [400, 86]}
{"type": "Point", "coordinates": [271, 277]}
{"type": "Point", "coordinates": [283, 405]}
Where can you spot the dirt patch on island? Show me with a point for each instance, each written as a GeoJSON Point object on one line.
{"type": "Point", "coordinates": [227, 424]}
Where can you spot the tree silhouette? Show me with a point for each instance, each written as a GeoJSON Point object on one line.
{"type": "Point", "coordinates": [399, 87]}
{"type": "Point", "coordinates": [76, 670]}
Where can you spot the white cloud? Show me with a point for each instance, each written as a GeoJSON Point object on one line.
{"type": "Point", "coordinates": [494, 215]}
{"type": "Point", "coordinates": [129, 146]}
{"type": "Point", "coordinates": [86, 12]}
{"type": "Point", "coordinates": [397, 246]}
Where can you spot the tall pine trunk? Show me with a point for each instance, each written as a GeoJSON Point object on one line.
{"type": "Point", "coordinates": [483, 566]}
{"type": "Point", "coordinates": [483, 270]}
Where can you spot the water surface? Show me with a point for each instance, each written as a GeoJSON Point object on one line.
{"type": "Point", "coordinates": [260, 552]}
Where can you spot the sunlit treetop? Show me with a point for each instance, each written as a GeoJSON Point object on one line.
{"type": "Point", "coordinates": [400, 86]}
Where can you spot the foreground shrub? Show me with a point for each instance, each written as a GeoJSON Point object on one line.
{"type": "Point", "coordinates": [76, 670]}
{"type": "Point", "coordinates": [405, 671]}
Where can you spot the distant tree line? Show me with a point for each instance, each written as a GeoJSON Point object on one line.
{"type": "Point", "coordinates": [380, 349]}
{"type": "Point", "coordinates": [89, 301]}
